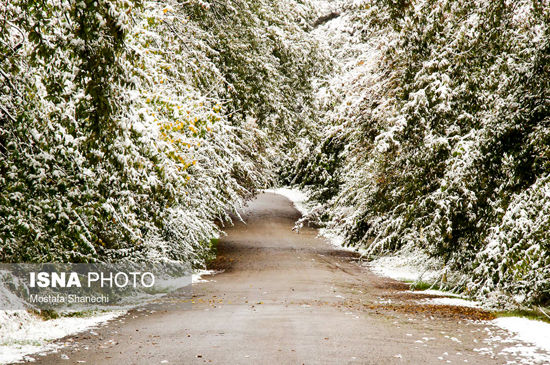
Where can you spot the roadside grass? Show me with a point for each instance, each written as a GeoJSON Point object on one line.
{"type": "Point", "coordinates": [21, 343]}
{"type": "Point", "coordinates": [422, 285]}
{"type": "Point", "coordinates": [81, 314]}
{"type": "Point", "coordinates": [212, 252]}
{"type": "Point", "coordinates": [532, 314]}
{"type": "Point", "coordinates": [47, 314]}
{"type": "Point", "coordinates": [215, 260]}
{"type": "Point", "coordinates": [540, 314]}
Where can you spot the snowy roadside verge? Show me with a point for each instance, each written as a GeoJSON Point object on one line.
{"type": "Point", "coordinates": [24, 335]}
{"type": "Point", "coordinates": [527, 330]}
{"type": "Point", "coordinates": [410, 265]}
{"type": "Point", "coordinates": [531, 337]}
{"type": "Point", "coordinates": [198, 275]}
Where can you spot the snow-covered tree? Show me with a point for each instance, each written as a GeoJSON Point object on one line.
{"type": "Point", "coordinates": [128, 128]}
{"type": "Point", "coordinates": [439, 137]}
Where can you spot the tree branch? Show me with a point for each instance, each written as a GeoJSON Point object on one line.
{"type": "Point", "coordinates": [10, 84]}
{"type": "Point", "coordinates": [7, 113]}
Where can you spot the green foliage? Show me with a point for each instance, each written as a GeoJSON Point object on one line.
{"type": "Point", "coordinates": [127, 128]}
{"type": "Point", "coordinates": [267, 60]}
{"type": "Point", "coordinates": [446, 138]}
{"type": "Point", "coordinates": [536, 315]}
{"type": "Point", "coordinates": [318, 169]}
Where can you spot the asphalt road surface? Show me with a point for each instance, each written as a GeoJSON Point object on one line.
{"type": "Point", "coordinates": [288, 298]}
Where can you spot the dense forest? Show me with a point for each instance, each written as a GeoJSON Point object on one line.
{"type": "Point", "coordinates": [128, 128]}
{"type": "Point", "coordinates": [131, 129]}
{"type": "Point", "coordinates": [436, 137]}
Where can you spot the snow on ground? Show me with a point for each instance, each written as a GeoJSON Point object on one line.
{"type": "Point", "coordinates": [197, 276]}
{"type": "Point", "coordinates": [22, 333]}
{"type": "Point", "coordinates": [526, 341]}
{"type": "Point", "coordinates": [527, 330]}
{"type": "Point", "coordinates": [435, 292]}
{"type": "Point", "coordinates": [337, 240]}
{"type": "Point", "coordinates": [297, 197]}
{"type": "Point", "coordinates": [526, 355]}
{"type": "Point", "coordinates": [407, 265]}
{"type": "Point", "coordinates": [458, 302]}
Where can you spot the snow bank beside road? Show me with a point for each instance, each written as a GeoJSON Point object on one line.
{"type": "Point", "coordinates": [198, 275]}
{"type": "Point", "coordinates": [457, 302]}
{"type": "Point", "coordinates": [527, 330]}
{"type": "Point", "coordinates": [22, 333]}
{"type": "Point", "coordinates": [408, 265]}
{"type": "Point", "coordinates": [337, 240]}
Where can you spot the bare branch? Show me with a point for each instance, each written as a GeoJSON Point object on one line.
{"type": "Point", "coordinates": [7, 113]}
{"type": "Point", "coordinates": [23, 37]}
{"type": "Point", "coordinates": [10, 84]}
